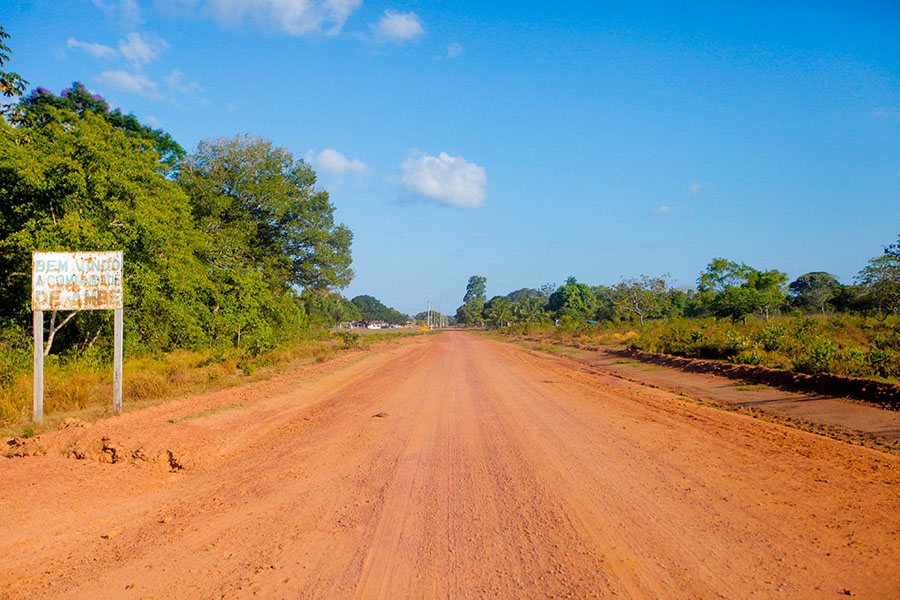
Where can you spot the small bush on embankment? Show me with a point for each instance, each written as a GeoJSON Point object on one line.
{"type": "Point", "coordinates": [83, 382]}
{"type": "Point", "coordinates": [846, 345]}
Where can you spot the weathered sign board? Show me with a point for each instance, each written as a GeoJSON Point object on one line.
{"type": "Point", "coordinates": [76, 281]}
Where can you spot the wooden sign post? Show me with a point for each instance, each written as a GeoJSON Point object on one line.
{"type": "Point", "coordinates": [76, 281]}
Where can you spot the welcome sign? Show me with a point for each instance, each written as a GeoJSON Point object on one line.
{"type": "Point", "coordinates": [76, 281]}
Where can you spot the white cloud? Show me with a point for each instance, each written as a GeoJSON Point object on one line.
{"type": "Point", "coordinates": [153, 121]}
{"type": "Point", "coordinates": [142, 49]}
{"type": "Point", "coordinates": [296, 17]}
{"type": "Point", "coordinates": [448, 179]}
{"type": "Point", "coordinates": [183, 88]}
{"type": "Point", "coordinates": [95, 50]}
{"type": "Point", "coordinates": [332, 161]}
{"type": "Point", "coordinates": [698, 188]}
{"type": "Point", "coordinates": [126, 11]}
{"type": "Point", "coordinates": [454, 50]}
{"type": "Point", "coordinates": [661, 210]}
{"type": "Point", "coordinates": [177, 83]}
{"type": "Point", "coordinates": [398, 27]}
{"type": "Point", "coordinates": [133, 83]}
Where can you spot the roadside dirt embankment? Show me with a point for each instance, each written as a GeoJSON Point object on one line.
{"type": "Point", "coordinates": [883, 394]}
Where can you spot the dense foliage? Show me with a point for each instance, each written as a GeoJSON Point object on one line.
{"type": "Point", "coordinates": [230, 246]}
{"type": "Point", "coordinates": [725, 289]}
{"type": "Point", "coordinates": [371, 309]}
{"type": "Point", "coordinates": [11, 84]}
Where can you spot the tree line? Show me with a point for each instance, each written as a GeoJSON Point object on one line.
{"type": "Point", "coordinates": [725, 288]}
{"type": "Point", "coordinates": [233, 244]}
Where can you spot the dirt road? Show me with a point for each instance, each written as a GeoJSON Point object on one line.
{"type": "Point", "coordinates": [492, 472]}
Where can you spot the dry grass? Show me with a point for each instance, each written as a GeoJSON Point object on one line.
{"type": "Point", "coordinates": [85, 391]}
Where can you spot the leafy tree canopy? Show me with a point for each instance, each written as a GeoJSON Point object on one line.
{"type": "Point", "coordinates": [814, 290]}
{"type": "Point", "coordinates": [476, 290]}
{"type": "Point", "coordinates": [499, 311]}
{"type": "Point", "coordinates": [879, 281]}
{"type": "Point", "coordinates": [523, 294]}
{"type": "Point", "coordinates": [80, 184]}
{"type": "Point", "coordinates": [34, 111]}
{"type": "Point", "coordinates": [261, 211]}
{"type": "Point", "coordinates": [643, 297]}
{"type": "Point", "coordinates": [721, 273]}
{"type": "Point", "coordinates": [371, 309]}
{"type": "Point", "coordinates": [731, 289]}
{"type": "Point", "coordinates": [11, 84]}
{"type": "Point", "coordinates": [574, 299]}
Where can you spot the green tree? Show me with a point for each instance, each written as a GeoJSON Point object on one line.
{"type": "Point", "coordinates": [606, 306]}
{"type": "Point", "coordinates": [730, 289]}
{"type": "Point", "coordinates": [735, 302]}
{"type": "Point", "coordinates": [879, 281]}
{"type": "Point", "coordinates": [499, 311]}
{"type": "Point", "coordinates": [33, 112]}
{"type": "Point", "coordinates": [11, 84]}
{"type": "Point", "coordinates": [261, 211]}
{"type": "Point", "coordinates": [77, 183]}
{"type": "Point", "coordinates": [575, 300]}
{"type": "Point", "coordinates": [529, 309]}
{"type": "Point", "coordinates": [471, 311]}
{"type": "Point", "coordinates": [643, 297]}
{"type": "Point", "coordinates": [770, 288]}
{"type": "Point", "coordinates": [813, 291]}
{"type": "Point", "coordinates": [371, 309]}
{"type": "Point", "coordinates": [324, 308]}
{"type": "Point", "coordinates": [476, 290]}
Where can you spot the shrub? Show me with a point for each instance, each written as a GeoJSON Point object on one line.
{"type": "Point", "coordinates": [817, 357]}
{"type": "Point", "coordinates": [772, 337]}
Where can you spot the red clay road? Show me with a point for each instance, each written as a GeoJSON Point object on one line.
{"type": "Point", "coordinates": [496, 473]}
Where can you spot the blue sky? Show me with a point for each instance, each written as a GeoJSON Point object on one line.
{"type": "Point", "coordinates": [524, 141]}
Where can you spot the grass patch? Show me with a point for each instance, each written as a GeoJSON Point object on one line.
{"type": "Point", "coordinates": [207, 412]}
{"type": "Point", "coordinates": [624, 361]}
{"type": "Point", "coordinates": [83, 387]}
{"type": "Point", "coordinates": [751, 387]}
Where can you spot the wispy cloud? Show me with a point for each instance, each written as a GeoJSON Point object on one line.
{"type": "Point", "coordinates": [661, 210]}
{"type": "Point", "coordinates": [397, 27]}
{"type": "Point", "coordinates": [697, 188]}
{"type": "Point", "coordinates": [294, 17]}
{"type": "Point", "coordinates": [95, 50]}
{"type": "Point", "coordinates": [142, 48]}
{"type": "Point", "coordinates": [885, 111]}
{"type": "Point", "coordinates": [132, 83]}
{"type": "Point", "coordinates": [448, 179]}
{"type": "Point", "coordinates": [126, 12]}
{"type": "Point", "coordinates": [454, 50]}
{"type": "Point", "coordinates": [332, 161]}
{"type": "Point", "coordinates": [176, 81]}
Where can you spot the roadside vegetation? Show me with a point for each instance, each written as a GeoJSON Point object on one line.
{"type": "Point", "coordinates": [82, 384]}
{"type": "Point", "coordinates": [735, 313]}
{"type": "Point", "coordinates": [233, 261]}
